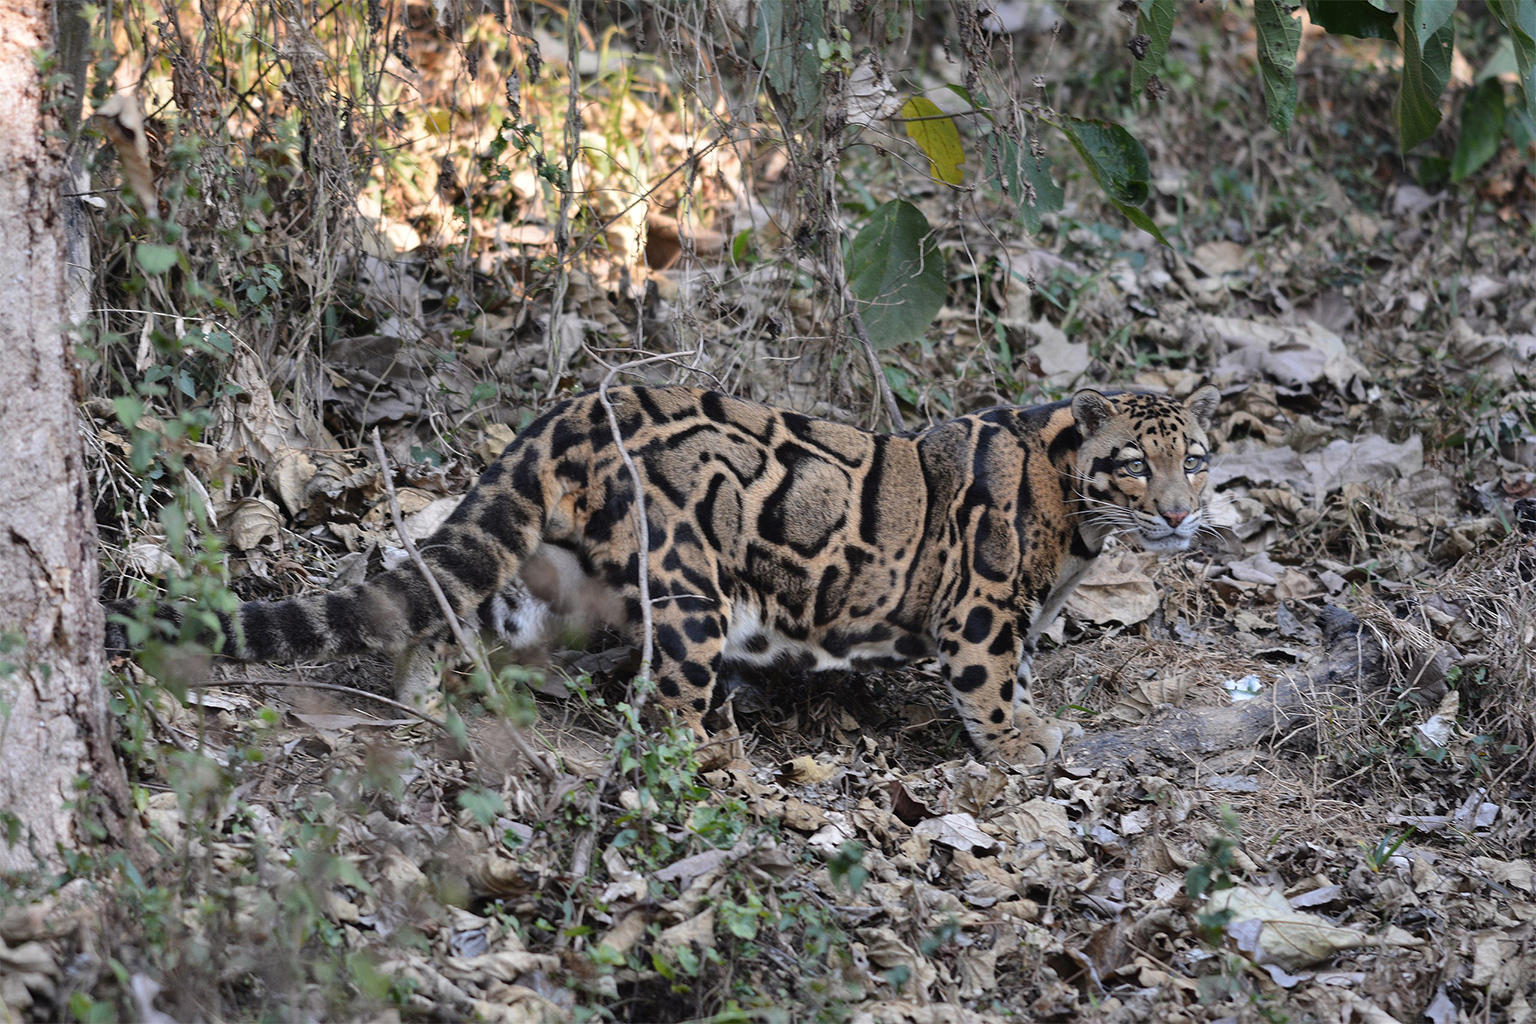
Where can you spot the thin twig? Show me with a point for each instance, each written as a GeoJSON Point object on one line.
{"type": "Point", "coordinates": [567, 191]}
{"type": "Point", "coordinates": [472, 649]}
{"type": "Point", "coordinates": [884, 386]}
{"type": "Point", "coordinates": [581, 856]}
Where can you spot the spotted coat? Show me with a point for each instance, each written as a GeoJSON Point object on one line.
{"type": "Point", "coordinates": [777, 538]}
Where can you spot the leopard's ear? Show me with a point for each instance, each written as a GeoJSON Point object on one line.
{"type": "Point", "coordinates": [1202, 404]}
{"type": "Point", "coordinates": [1091, 410]}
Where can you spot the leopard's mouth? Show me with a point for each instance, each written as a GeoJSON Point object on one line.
{"type": "Point", "coordinates": [1164, 540]}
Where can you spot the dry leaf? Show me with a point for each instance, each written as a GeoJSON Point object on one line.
{"type": "Point", "coordinates": [1265, 926]}
{"type": "Point", "coordinates": [289, 472]}
{"type": "Point", "coordinates": [805, 770]}
{"type": "Point", "coordinates": [251, 522]}
{"type": "Point", "coordinates": [1116, 589]}
{"type": "Point", "coordinates": [958, 830]}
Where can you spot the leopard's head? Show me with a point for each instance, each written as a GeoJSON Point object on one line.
{"type": "Point", "coordinates": [1143, 464]}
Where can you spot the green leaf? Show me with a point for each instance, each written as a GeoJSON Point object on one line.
{"type": "Point", "coordinates": [1428, 36]}
{"type": "Point", "coordinates": [1482, 128]}
{"type": "Point", "coordinates": [1139, 217]}
{"type": "Point", "coordinates": [936, 133]}
{"type": "Point", "coordinates": [1026, 175]}
{"type": "Point", "coordinates": [1279, 36]}
{"type": "Point", "coordinates": [784, 46]}
{"type": "Point", "coordinates": [154, 259]}
{"type": "Point", "coordinates": [1154, 18]}
{"type": "Point", "coordinates": [1430, 16]}
{"type": "Point", "coordinates": [1114, 157]}
{"type": "Point", "coordinates": [897, 272]}
{"type": "Point", "coordinates": [1358, 18]}
{"type": "Point", "coordinates": [129, 408]}
{"type": "Point", "coordinates": [1118, 163]}
{"type": "Point", "coordinates": [1519, 19]}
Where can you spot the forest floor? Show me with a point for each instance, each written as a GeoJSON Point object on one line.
{"type": "Point", "coordinates": [845, 855]}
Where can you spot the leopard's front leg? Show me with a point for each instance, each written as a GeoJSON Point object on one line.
{"type": "Point", "coordinates": [980, 663]}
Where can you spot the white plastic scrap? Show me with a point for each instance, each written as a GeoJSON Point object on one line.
{"type": "Point", "coordinates": [1245, 688]}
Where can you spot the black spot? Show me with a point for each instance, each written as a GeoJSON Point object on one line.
{"type": "Point", "coordinates": [829, 596]}
{"type": "Point", "coordinates": [298, 628]}
{"type": "Point", "coordinates": [837, 643]}
{"type": "Point", "coordinates": [1068, 440]}
{"type": "Point", "coordinates": [1101, 466]}
{"type": "Point", "coordinates": [667, 688]}
{"type": "Point", "coordinates": [701, 629]}
{"type": "Point", "coordinates": [1003, 642]}
{"type": "Point", "coordinates": [504, 520]}
{"type": "Point", "coordinates": [978, 624]}
{"type": "Point", "coordinates": [493, 473]}
{"type": "Point", "coordinates": [950, 647]}
{"type": "Point", "coordinates": [757, 643]}
{"type": "Point", "coordinates": [525, 477]}
{"type": "Point", "coordinates": [670, 642]}
{"type": "Point", "coordinates": [700, 704]}
{"type": "Point", "coordinates": [712, 404]}
{"type": "Point", "coordinates": [805, 428]}
{"type": "Point", "coordinates": [911, 646]}
{"type": "Point", "coordinates": [974, 677]}
{"type": "Point", "coordinates": [572, 470]}
{"type": "Point", "coordinates": [1079, 547]}
{"type": "Point", "coordinates": [565, 437]}
{"type": "Point", "coordinates": [1005, 691]}
{"type": "Point", "coordinates": [648, 404]}
{"type": "Point", "coordinates": [467, 559]}
{"type": "Point", "coordinates": [697, 674]}
{"type": "Point", "coordinates": [997, 716]}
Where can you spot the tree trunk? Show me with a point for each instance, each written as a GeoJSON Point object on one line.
{"type": "Point", "coordinates": [53, 714]}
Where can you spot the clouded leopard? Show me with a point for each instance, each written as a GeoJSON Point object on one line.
{"type": "Point", "coordinates": [779, 538]}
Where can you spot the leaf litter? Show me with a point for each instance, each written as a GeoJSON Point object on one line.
{"type": "Point", "coordinates": [1381, 862]}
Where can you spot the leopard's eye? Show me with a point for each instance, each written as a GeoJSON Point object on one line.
{"type": "Point", "coordinates": [1193, 463]}
{"type": "Point", "coordinates": [1135, 467]}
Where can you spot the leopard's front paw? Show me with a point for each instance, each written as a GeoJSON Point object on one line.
{"type": "Point", "coordinates": [1035, 740]}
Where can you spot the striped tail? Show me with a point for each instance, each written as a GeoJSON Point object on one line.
{"type": "Point", "coordinates": [472, 556]}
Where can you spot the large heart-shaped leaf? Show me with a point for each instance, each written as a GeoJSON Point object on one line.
{"type": "Point", "coordinates": [897, 273]}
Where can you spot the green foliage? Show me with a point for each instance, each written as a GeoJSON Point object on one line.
{"type": "Point", "coordinates": [896, 271]}
{"type": "Point", "coordinates": [1025, 173]}
{"type": "Point", "coordinates": [1428, 39]}
{"type": "Point", "coordinates": [1376, 856]}
{"type": "Point", "coordinates": [1426, 32]}
{"type": "Point", "coordinates": [1363, 19]}
{"type": "Point", "coordinates": [1118, 163]}
{"type": "Point", "coordinates": [1154, 19]}
{"type": "Point", "coordinates": [787, 42]}
{"type": "Point", "coordinates": [1279, 33]}
{"type": "Point", "coordinates": [1482, 128]}
{"type": "Point", "coordinates": [1518, 17]}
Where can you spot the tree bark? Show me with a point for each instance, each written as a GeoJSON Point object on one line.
{"type": "Point", "coordinates": [54, 727]}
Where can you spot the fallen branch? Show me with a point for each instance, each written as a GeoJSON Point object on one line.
{"type": "Point", "coordinates": [1353, 661]}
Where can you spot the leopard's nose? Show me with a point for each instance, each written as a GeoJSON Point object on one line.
{"type": "Point", "coordinates": [1176, 516]}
